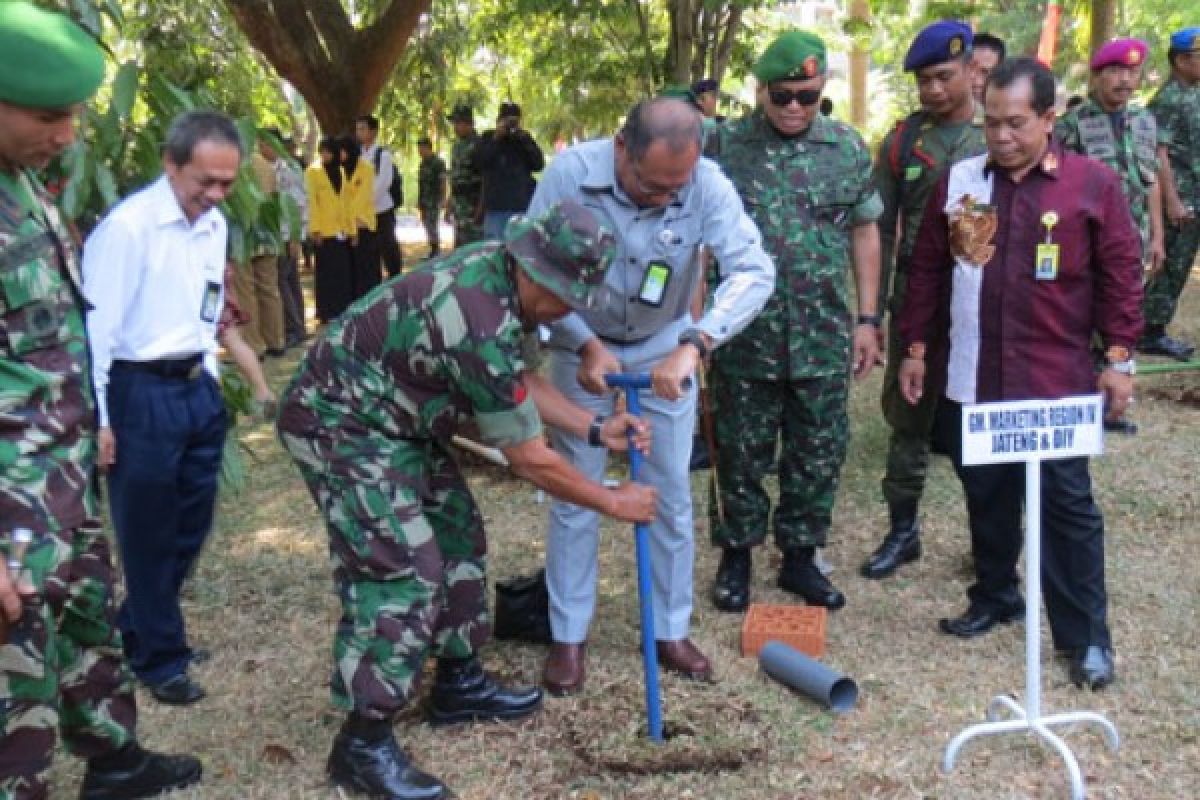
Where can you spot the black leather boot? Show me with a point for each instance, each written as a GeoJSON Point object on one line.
{"type": "Point", "coordinates": [366, 758]}
{"type": "Point", "coordinates": [1156, 342]}
{"type": "Point", "coordinates": [901, 545]}
{"type": "Point", "coordinates": [134, 772]}
{"type": "Point", "coordinates": [731, 589]}
{"type": "Point", "coordinates": [463, 692]}
{"type": "Point", "coordinates": [800, 575]}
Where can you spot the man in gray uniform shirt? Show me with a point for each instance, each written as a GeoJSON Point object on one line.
{"type": "Point", "coordinates": [650, 186]}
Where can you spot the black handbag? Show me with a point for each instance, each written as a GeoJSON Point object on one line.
{"type": "Point", "coordinates": [523, 609]}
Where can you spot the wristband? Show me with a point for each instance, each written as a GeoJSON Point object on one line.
{"type": "Point", "coordinates": [874, 320]}
{"type": "Point", "coordinates": [593, 437]}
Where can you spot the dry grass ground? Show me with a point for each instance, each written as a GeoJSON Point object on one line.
{"type": "Point", "coordinates": [261, 601]}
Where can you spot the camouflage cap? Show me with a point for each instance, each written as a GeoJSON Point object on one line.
{"type": "Point", "coordinates": [566, 251]}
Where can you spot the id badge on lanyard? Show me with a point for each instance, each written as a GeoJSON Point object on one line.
{"type": "Point", "coordinates": [1046, 261]}
{"type": "Point", "coordinates": [654, 283]}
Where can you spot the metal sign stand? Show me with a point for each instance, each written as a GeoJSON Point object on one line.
{"type": "Point", "coordinates": [1029, 718]}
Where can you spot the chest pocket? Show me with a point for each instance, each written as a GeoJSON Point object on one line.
{"type": "Point", "coordinates": [1145, 144]}
{"type": "Point", "coordinates": [831, 207]}
{"type": "Point", "coordinates": [1097, 136]}
{"type": "Point", "coordinates": [34, 299]}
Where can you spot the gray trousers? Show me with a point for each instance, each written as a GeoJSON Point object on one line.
{"type": "Point", "coordinates": [571, 544]}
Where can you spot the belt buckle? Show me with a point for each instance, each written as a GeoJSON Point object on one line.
{"type": "Point", "coordinates": [196, 371]}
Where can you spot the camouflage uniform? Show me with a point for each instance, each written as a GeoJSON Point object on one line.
{"type": "Point", "coordinates": [466, 189]}
{"type": "Point", "coordinates": [367, 418]}
{"type": "Point", "coordinates": [62, 665]}
{"type": "Point", "coordinates": [1176, 107]}
{"type": "Point", "coordinates": [1088, 130]}
{"type": "Point", "coordinates": [787, 373]}
{"type": "Point", "coordinates": [905, 181]}
{"type": "Point", "coordinates": [431, 183]}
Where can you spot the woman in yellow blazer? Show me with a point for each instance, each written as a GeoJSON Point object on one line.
{"type": "Point", "coordinates": [327, 225]}
{"type": "Point", "coordinates": [358, 208]}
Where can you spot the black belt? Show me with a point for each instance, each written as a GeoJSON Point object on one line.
{"type": "Point", "coordinates": [622, 342]}
{"type": "Point", "coordinates": [189, 367]}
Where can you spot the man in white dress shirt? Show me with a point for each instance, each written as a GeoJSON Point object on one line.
{"type": "Point", "coordinates": [366, 131]}
{"type": "Point", "coordinates": [153, 271]}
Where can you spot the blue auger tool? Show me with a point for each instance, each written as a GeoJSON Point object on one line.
{"type": "Point", "coordinates": [631, 384]}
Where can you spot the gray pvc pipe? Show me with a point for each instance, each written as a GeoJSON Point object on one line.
{"type": "Point", "coordinates": [808, 676]}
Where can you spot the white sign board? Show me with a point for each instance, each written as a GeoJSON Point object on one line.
{"type": "Point", "coordinates": [1022, 430]}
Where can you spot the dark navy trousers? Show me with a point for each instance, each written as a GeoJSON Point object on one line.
{"type": "Point", "coordinates": [170, 433]}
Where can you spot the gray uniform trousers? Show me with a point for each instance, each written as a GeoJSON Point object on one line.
{"type": "Point", "coordinates": [571, 544]}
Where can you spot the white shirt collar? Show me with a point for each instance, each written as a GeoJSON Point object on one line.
{"type": "Point", "coordinates": [169, 211]}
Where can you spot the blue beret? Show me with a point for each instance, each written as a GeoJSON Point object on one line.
{"type": "Point", "coordinates": [942, 41]}
{"type": "Point", "coordinates": [1186, 40]}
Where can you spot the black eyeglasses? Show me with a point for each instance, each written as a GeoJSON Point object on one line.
{"type": "Point", "coordinates": [784, 97]}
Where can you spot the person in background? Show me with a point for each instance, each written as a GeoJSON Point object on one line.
{"type": "Point", "coordinates": [62, 666]}
{"type": "Point", "coordinates": [385, 196]}
{"type": "Point", "coordinates": [290, 181]}
{"type": "Point", "coordinates": [506, 157]}
{"type": "Point", "coordinates": [465, 208]}
{"type": "Point", "coordinates": [431, 193]}
{"type": "Point", "coordinates": [987, 53]}
{"type": "Point", "coordinates": [330, 233]}
{"type": "Point", "coordinates": [1176, 107]}
{"type": "Point", "coordinates": [257, 281]}
{"type": "Point", "coordinates": [359, 218]}
{"type": "Point", "coordinates": [1124, 137]}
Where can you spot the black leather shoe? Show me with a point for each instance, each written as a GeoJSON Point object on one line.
{"type": "Point", "coordinates": [800, 575]}
{"type": "Point", "coordinates": [1093, 667]}
{"type": "Point", "coordinates": [463, 692]}
{"type": "Point", "coordinates": [901, 545]}
{"type": "Point", "coordinates": [1158, 343]}
{"type": "Point", "coordinates": [178, 691]}
{"type": "Point", "coordinates": [376, 766]}
{"type": "Point", "coordinates": [978, 620]}
{"type": "Point", "coordinates": [731, 589]}
{"type": "Point", "coordinates": [134, 772]}
{"type": "Point", "coordinates": [1122, 425]}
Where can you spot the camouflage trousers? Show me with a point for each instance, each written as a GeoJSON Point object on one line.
{"type": "Point", "coordinates": [466, 229]}
{"type": "Point", "coordinates": [408, 550]}
{"type": "Point", "coordinates": [1163, 290]}
{"type": "Point", "coordinates": [808, 419]}
{"type": "Point", "coordinates": [62, 667]}
{"type": "Point", "coordinates": [912, 426]}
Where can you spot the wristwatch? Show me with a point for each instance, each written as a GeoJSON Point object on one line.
{"type": "Point", "coordinates": [874, 320]}
{"type": "Point", "coordinates": [694, 337]}
{"type": "Point", "coordinates": [594, 431]}
{"type": "Point", "coordinates": [1119, 359]}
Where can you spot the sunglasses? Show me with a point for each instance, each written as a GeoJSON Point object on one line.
{"type": "Point", "coordinates": [784, 97]}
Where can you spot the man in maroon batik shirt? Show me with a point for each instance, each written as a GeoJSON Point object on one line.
{"type": "Point", "coordinates": [995, 317]}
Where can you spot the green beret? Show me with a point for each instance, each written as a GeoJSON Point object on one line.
{"type": "Point", "coordinates": [795, 55]}
{"type": "Point", "coordinates": [46, 60]}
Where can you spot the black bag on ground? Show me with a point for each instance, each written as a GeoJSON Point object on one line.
{"type": "Point", "coordinates": [523, 609]}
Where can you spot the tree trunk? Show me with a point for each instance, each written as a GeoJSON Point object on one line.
{"type": "Point", "coordinates": [339, 69]}
{"type": "Point", "coordinates": [701, 39]}
{"type": "Point", "coordinates": [860, 63]}
{"type": "Point", "coordinates": [1104, 16]}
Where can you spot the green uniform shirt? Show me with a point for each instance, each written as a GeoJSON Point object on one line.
{"type": "Point", "coordinates": [805, 193]}
{"type": "Point", "coordinates": [905, 180]}
{"type": "Point", "coordinates": [1176, 108]}
{"type": "Point", "coordinates": [47, 412]}
{"type": "Point", "coordinates": [1131, 152]}
{"type": "Point", "coordinates": [466, 182]}
{"type": "Point", "coordinates": [431, 183]}
{"type": "Point", "coordinates": [418, 358]}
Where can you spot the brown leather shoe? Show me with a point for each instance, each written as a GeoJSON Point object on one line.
{"type": "Point", "coordinates": [563, 672]}
{"type": "Point", "coordinates": [683, 657]}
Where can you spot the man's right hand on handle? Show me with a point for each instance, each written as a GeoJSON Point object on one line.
{"type": "Point", "coordinates": [634, 502]}
{"type": "Point", "coordinates": [595, 362]}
